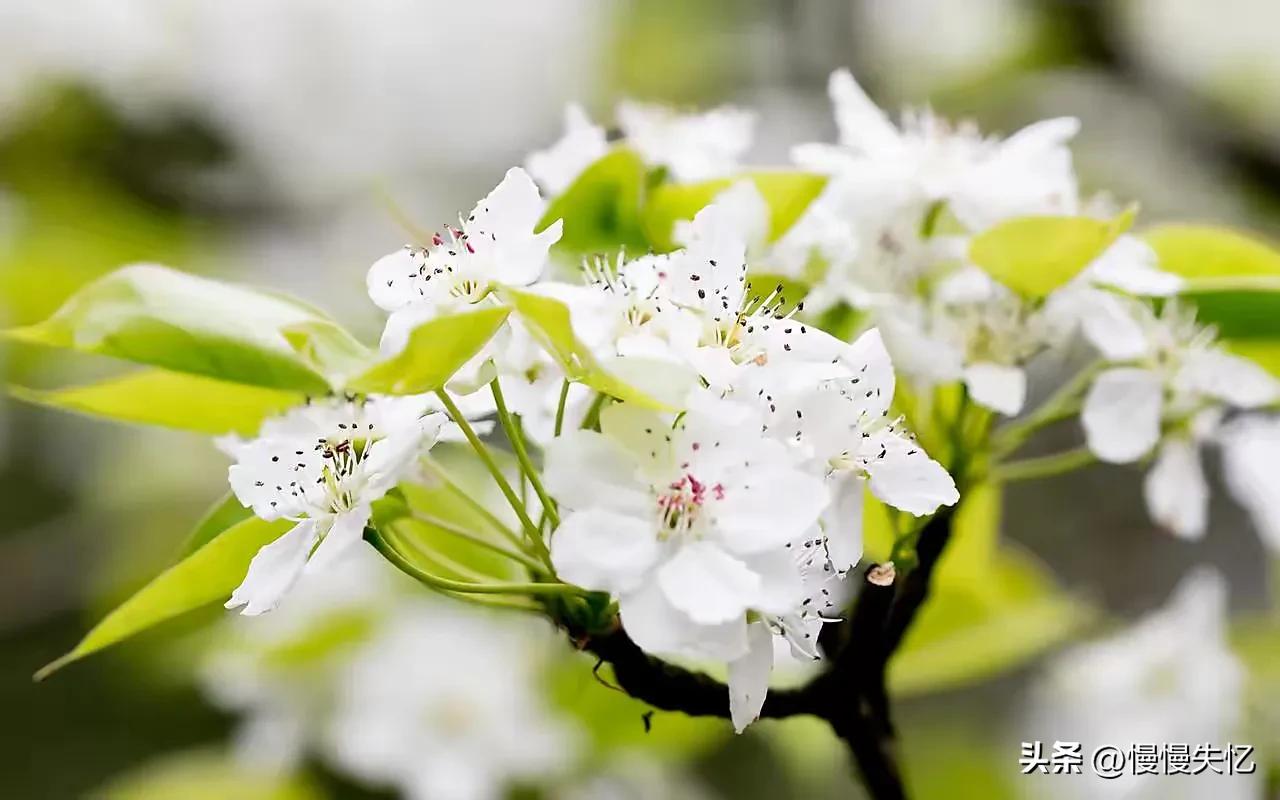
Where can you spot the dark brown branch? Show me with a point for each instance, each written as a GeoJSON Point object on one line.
{"type": "Point", "coordinates": [850, 694]}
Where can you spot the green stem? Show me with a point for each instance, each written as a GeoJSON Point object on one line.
{"type": "Point", "coordinates": [503, 484]}
{"type": "Point", "coordinates": [1043, 466]}
{"type": "Point", "coordinates": [564, 399]}
{"type": "Point", "coordinates": [480, 541]}
{"type": "Point", "coordinates": [522, 455]}
{"type": "Point", "coordinates": [592, 419]}
{"type": "Point", "coordinates": [380, 542]}
{"type": "Point", "coordinates": [462, 494]}
{"type": "Point", "coordinates": [1061, 404]}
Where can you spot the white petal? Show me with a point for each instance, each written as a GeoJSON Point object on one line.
{"type": "Point", "coordinates": [1121, 414]}
{"type": "Point", "coordinates": [861, 123]}
{"type": "Point", "coordinates": [391, 458]}
{"type": "Point", "coordinates": [603, 550]}
{"type": "Point", "coordinates": [269, 471]}
{"type": "Point", "coordinates": [708, 584]}
{"type": "Point", "coordinates": [842, 521]}
{"type": "Point", "coordinates": [998, 387]}
{"type": "Point", "coordinates": [1232, 379]}
{"type": "Point", "coordinates": [869, 361]}
{"type": "Point", "coordinates": [391, 279]}
{"type": "Point", "coordinates": [1132, 266]}
{"type": "Point", "coordinates": [274, 570]}
{"type": "Point", "coordinates": [782, 587]}
{"type": "Point", "coordinates": [1175, 490]}
{"type": "Point", "coordinates": [582, 144]}
{"type": "Point", "coordinates": [347, 530]}
{"type": "Point", "coordinates": [770, 507]}
{"type": "Point", "coordinates": [904, 476]}
{"type": "Point", "coordinates": [749, 677]}
{"type": "Point", "coordinates": [402, 322]}
{"type": "Point", "coordinates": [585, 469]}
{"type": "Point", "coordinates": [660, 628]}
{"type": "Point", "coordinates": [503, 223]}
{"type": "Point", "coordinates": [1109, 324]}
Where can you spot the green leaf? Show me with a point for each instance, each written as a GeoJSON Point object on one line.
{"type": "Point", "coordinates": [1245, 307]}
{"type": "Point", "coordinates": [974, 538]}
{"type": "Point", "coordinates": [436, 350]}
{"type": "Point", "coordinates": [968, 632]}
{"type": "Point", "coordinates": [549, 321]}
{"type": "Point", "coordinates": [329, 349]}
{"type": "Point", "coordinates": [171, 400]}
{"type": "Point", "coordinates": [1036, 255]}
{"type": "Point", "coordinates": [163, 318]}
{"type": "Point", "coordinates": [601, 209]}
{"type": "Point", "coordinates": [787, 193]}
{"type": "Point", "coordinates": [205, 775]}
{"type": "Point", "coordinates": [209, 574]}
{"type": "Point", "coordinates": [226, 512]}
{"type": "Point", "coordinates": [1205, 251]}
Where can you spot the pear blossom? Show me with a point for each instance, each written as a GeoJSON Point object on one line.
{"type": "Point", "coordinates": [1170, 677]}
{"type": "Point", "coordinates": [1179, 372]}
{"type": "Point", "coordinates": [322, 466]}
{"type": "Point", "coordinates": [982, 179]}
{"type": "Point", "coordinates": [685, 521]}
{"type": "Point", "coordinates": [495, 244]}
{"type": "Point", "coordinates": [1174, 394]}
{"type": "Point", "coordinates": [841, 426]}
{"type": "Point", "coordinates": [444, 705]}
{"type": "Point", "coordinates": [560, 164]}
{"type": "Point", "coordinates": [692, 147]}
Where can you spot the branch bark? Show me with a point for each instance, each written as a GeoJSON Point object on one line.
{"type": "Point", "coordinates": [851, 694]}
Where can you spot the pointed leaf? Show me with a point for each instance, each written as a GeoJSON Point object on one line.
{"type": "Point", "coordinates": [163, 318]}
{"type": "Point", "coordinates": [208, 575]}
{"type": "Point", "coordinates": [228, 511]}
{"type": "Point", "coordinates": [550, 322]}
{"type": "Point", "coordinates": [436, 350]}
{"type": "Point", "coordinates": [1244, 307]}
{"type": "Point", "coordinates": [170, 400]}
{"type": "Point", "coordinates": [1036, 255]}
{"type": "Point", "coordinates": [1205, 251]}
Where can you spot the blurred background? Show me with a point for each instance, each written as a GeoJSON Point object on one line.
{"type": "Point", "coordinates": [277, 142]}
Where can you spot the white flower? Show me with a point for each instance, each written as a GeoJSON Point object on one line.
{"type": "Point", "coordinates": [685, 522]}
{"type": "Point", "coordinates": [982, 179]}
{"type": "Point", "coordinates": [841, 427]}
{"type": "Point", "coordinates": [322, 465]}
{"type": "Point", "coordinates": [581, 145]}
{"type": "Point", "coordinates": [495, 244]}
{"type": "Point", "coordinates": [1171, 677]}
{"type": "Point", "coordinates": [1250, 453]}
{"type": "Point", "coordinates": [443, 705]}
{"type": "Point", "coordinates": [1179, 373]}
{"type": "Point", "coordinates": [693, 147]}
{"type": "Point", "coordinates": [823, 596]}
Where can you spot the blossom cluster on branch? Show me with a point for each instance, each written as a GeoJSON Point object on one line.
{"type": "Point", "coordinates": [691, 382]}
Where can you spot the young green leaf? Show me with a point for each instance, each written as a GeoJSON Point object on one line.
{"type": "Point", "coordinates": [436, 350]}
{"type": "Point", "coordinates": [786, 193]}
{"type": "Point", "coordinates": [1205, 251]}
{"type": "Point", "coordinates": [170, 400]}
{"type": "Point", "coordinates": [1036, 255]}
{"type": "Point", "coordinates": [226, 512]}
{"type": "Point", "coordinates": [601, 209]}
{"type": "Point", "coordinates": [550, 322]}
{"type": "Point", "coordinates": [209, 574]}
{"type": "Point", "coordinates": [1244, 307]}
{"type": "Point", "coordinates": [163, 318]}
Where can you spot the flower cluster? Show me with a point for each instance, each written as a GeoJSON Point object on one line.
{"type": "Point", "coordinates": [707, 443]}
